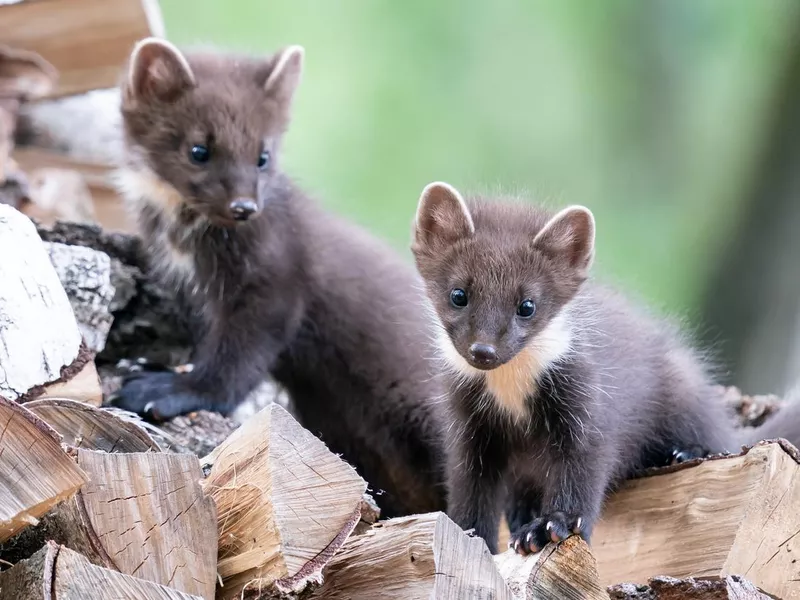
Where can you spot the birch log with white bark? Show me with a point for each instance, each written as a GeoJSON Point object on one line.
{"type": "Point", "coordinates": [39, 335]}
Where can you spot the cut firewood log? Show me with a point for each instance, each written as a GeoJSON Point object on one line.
{"type": "Point", "coordinates": [286, 504]}
{"type": "Point", "coordinates": [563, 571]}
{"type": "Point", "coordinates": [39, 341]}
{"type": "Point", "coordinates": [88, 41]}
{"type": "Point", "coordinates": [413, 558]}
{"type": "Point", "coordinates": [84, 386]}
{"type": "Point", "coordinates": [668, 588]}
{"type": "Point", "coordinates": [143, 514]}
{"type": "Point", "coordinates": [35, 473]}
{"type": "Point", "coordinates": [58, 573]}
{"type": "Point", "coordinates": [91, 428]}
{"type": "Point", "coordinates": [737, 515]}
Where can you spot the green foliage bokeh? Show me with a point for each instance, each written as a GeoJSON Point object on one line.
{"type": "Point", "coordinates": [650, 113]}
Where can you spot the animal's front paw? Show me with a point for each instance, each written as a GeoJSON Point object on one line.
{"type": "Point", "coordinates": [553, 527]}
{"type": "Point", "coordinates": [681, 455]}
{"type": "Point", "coordinates": [156, 396]}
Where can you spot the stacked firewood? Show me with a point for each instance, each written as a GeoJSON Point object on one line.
{"type": "Point", "coordinates": [95, 503]}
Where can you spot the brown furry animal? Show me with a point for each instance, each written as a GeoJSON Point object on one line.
{"type": "Point", "coordinates": [279, 286]}
{"type": "Point", "coordinates": [559, 387]}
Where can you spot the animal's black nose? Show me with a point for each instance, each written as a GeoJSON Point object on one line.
{"type": "Point", "coordinates": [243, 208]}
{"type": "Point", "coordinates": [483, 354]}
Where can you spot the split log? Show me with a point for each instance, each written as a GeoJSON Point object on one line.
{"type": "Point", "coordinates": [286, 504]}
{"type": "Point", "coordinates": [143, 514]}
{"type": "Point", "coordinates": [90, 428]}
{"type": "Point", "coordinates": [668, 588]}
{"type": "Point", "coordinates": [88, 41]}
{"type": "Point", "coordinates": [84, 386]}
{"type": "Point", "coordinates": [56, 572]}
{"type": "Point", "coordinates": [35, 473]}
{"type": "Point", "coordinates": [563, 571]}
{"type": "Point", "coordinates": [85, 275]}
{"type": "Point", "coordinates": [737, 515]}
{"type": "Point", "coordinates": [40, 337]}
{"type": "Point", "coordinates": [413, 558]}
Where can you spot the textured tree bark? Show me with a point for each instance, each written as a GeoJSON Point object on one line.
{"type": "Point", "coordinates": [39, 337]}
{"type": "Point", "coordinates": [668, 588]}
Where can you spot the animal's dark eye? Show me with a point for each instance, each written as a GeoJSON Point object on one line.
{"type": "Point", "coordinates": [458, 297]}
{"type": "Point", "coordinates": [199, 154]}
{"type": "Point", "coordinates": [526, 309]}
{"type": "Point", "coordinates": [263, 160]}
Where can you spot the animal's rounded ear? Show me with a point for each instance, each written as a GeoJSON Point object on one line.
{"type": "Point", "coordinates": [570, 234]}
{"type": "Point", "coordinates": [285, 75]}
{"type": "Point", "coordinates": [157, 70]}
{"type": "Point", "coordinates": [442, 216]}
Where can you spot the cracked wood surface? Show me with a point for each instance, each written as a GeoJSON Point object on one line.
{"type": "Point", "coordinates": [58, 573]}
{"type": "Point", "coordinates": [143, 514]}
{"type": "Point", "coordinates": [421, 557]}
{"type": "Point", "coordinates": [38, 332]}
{"type": "Point", "coordinates": [35, 472]}
{"type": "Point", "coordinates": [563, 571]}
{"type": "Point", "coordinates": [151, 517]}
{"type": "Point", "coordinates": [92, 428]}
{"type": "Point", "coordinates": [286, 503]}
{"type": "Point", "coordinates": [729, 516]}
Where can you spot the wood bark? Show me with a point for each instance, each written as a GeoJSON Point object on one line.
{"type": "Point", "coordinates": [736, 515]}
{"type": "Point", "coordinates": [35, 473]}
{"type": "Point", "coordinates": [87, 41]}
{"type": "Point", "coordinates": [85, 275]}
{"type": "Point", "coordinates": [38, 332]}
{"type": "Point", "coordinates": [286, 505]}
{"type": "Point", "coordinates": [413, 558]}
{"type": "Point", "coordinates": [669, 588]}
{"type": "Point", "coordinates": [563, 571]}
{"type": "Point", "coordinates": [84, 386]}
{"type": "Point", "coordinates": [58, 573]}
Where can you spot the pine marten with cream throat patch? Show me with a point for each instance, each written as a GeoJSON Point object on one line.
{"type": "Point", "coordinates": [559, 387]}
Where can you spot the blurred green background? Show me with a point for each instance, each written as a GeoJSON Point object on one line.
{"type": "Point", "coordinates": [652, 113]}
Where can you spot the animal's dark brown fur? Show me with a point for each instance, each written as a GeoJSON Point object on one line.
{"type": "Point", "coordinates": [293, 291]}
{"type": "Point", "coordinates": [594, 388]}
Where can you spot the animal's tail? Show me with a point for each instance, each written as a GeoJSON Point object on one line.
{"type": "Point", "coordinates": [785, 423]}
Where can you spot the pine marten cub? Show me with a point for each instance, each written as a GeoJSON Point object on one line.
{"type": "Point", "coordinates": [559, 387]}
{"type": "Point", "coordinates": [280, 286]}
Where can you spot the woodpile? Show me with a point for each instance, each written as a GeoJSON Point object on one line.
{"type": "Point", "coordinates": [96, 503]}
